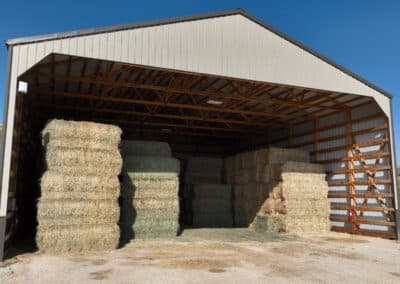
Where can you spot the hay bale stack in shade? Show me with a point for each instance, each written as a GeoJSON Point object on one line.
{"type": "Point", "coordinates": [78, 208]}
{"type": "Point", "coordinates": [262, 180]}
{"type": "Point", "coordinates": [207, 202]}
{"type": "Point", "coordinates": [149, 192]}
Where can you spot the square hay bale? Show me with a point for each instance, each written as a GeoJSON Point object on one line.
{"type": "Point", "coordinates": [84, 161]}
{"type": "Point", "coordinates": [81, 134]}
{"type": "Point", "coordinates": [56, 185]}
{"type": "Point", "coordinates": [151, 164]}
{"type": "Point", "coordinates": [155, 203]}
{"type": "Point", "coordinates": [68, 208]}
{"type": "Point", "coordinates": [145, 148]}
{"type": "Point", "coordinates": [78, 238]}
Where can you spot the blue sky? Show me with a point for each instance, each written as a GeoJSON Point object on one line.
{"type": "Point", "coordinates": [363, 36]}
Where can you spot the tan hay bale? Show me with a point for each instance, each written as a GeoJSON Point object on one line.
{"type": "Point", "coordinates": [98, 134]}
{"type": "Point", "coordinates": [145, 148]}
{"type": "Point", "coordinates": [83, 161]}
{"type": "Point", "coordinates": [155, 203]}
{"type": "Point", "coordinates": [78, 238]}
{"type": "Point", "coordinates": [298, 167]}
{"type": "Point", "coordinates": [58, 183]}
{"type": "Point", "coordinates": [50, 223]}
{"type": "Point", "coordinates": [151, 164]}
{"type": "Point", "coordinates": [78, 209]}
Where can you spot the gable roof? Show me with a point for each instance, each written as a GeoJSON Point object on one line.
{"type": "Point", "coordinates": [92, 31]}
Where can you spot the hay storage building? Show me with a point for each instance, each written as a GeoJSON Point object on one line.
{"type": "Point", "coordinates": [217, 83]}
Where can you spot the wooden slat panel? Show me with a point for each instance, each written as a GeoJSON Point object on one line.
{"type": "Point", "coordinates": [364, 221]}
{"type": "Point", "coordinates": [365, 233]}
{"type": "Point", "coordinates": [359, 208]}
{"type": "Point", "coordinates": [359, 195]}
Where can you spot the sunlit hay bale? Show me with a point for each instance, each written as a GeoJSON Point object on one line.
{"type": "Point", "coordinates": [216, 191]}
{"type": "Point", "coordinates": [78, 238]}
{"type": "Point", "coordinates": [196, 177]}
{"type": "Point", "coordinates": [308, 224]}
{"type": "Point", "coordinates": [145, 148]}
{"type": "Point", "coordinates": [155, 203]}
{"type": "Point", "coordinates": [83, 161]}
{"type": "Point", "coordinates": [211, 206]}
{"type": "Point", "coordinates": [80, 134]}
{"type": "Point", "coordinates": [55, 185]}
{"type": "Point", "coordinates": [49, 223]}
{"type": "Point", "coordinates": [205, 165]}
{"type": "Point", "coordinates": [212, 220]}
{"type": "Point", "coordinates": [68, 208]}
{"type": "Point", "coordinates": [151, 164]}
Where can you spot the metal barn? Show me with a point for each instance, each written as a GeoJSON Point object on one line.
{"type": "Point", "coordinates": [224, 79]}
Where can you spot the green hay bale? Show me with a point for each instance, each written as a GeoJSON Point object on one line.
{"type": "Point", "coordinates": [84, 162]}
{"type": "Point", "coordinates": [97, 209]}
{"type": "Point", "coordinates": [129, 215]}
{"type": "Point", "coordinates": [212, 220]}
{"type": "Point", "coordinates": [78, 238]}
{"type": "Point", "coordinates": [147, 164]}
{"type": "Point", "coordinates": [55, 185]}
{"type": "Point", "coordinates": [145, 148]}
{"type": "Point", "coordinates": [151, 176]}
{"type": "Point", "coordinates": [149, 188]}
{"type": "Point", "coordinates": [211, 206]}
{"type": "Point", "coordinates": [155, 203]}
{"type": "Point", "coordinates": [209, 190]}
{"type": "Point", "coordinates": [80, 134]}
{"type": "Point", "coordinates": [205, 165]}
{"type": "Point", "coordinates": [269, 223]}
{"type": "Point", "coordinates": [192, 177]}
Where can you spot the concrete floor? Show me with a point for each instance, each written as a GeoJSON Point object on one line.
{"type": "Point", "coordinates": [219, 255]}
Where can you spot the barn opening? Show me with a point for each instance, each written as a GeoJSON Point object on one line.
{"type": "Point", "coordinates": [213, 116]}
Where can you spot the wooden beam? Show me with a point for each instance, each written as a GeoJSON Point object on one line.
{"type": "Point", "coordinates": [358, 182]}
{"type": "Point", "coordinates": [217, 95]}
{"type": "Point", "coordinates": [154, 103]}
{"type": "Point", "coordinates": [160, 115]}
{"type": "Point", "coordinates": [364, 221]}
{"type": "Point", "coordinates": [360, 208]}
{"type": "Point", "coordinates": [359, 195]}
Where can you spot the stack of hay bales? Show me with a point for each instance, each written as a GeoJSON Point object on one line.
{"type": "Point", "coordinates": [207, 200]}
{"type": "Point", "coordinates": [278, 190]}
{"type": "Point", "coordinates": [149, 193]}
{"type": "Point", "coordinates": [78, 208]}
{"type": "Point", "coordinates": [298, 203]}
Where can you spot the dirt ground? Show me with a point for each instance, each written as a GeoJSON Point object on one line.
{"type": "Point", "coordinates": [209, 256]}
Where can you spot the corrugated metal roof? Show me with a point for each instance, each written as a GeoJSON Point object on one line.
{"type": "Point", "coordinates": [84, 32]}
